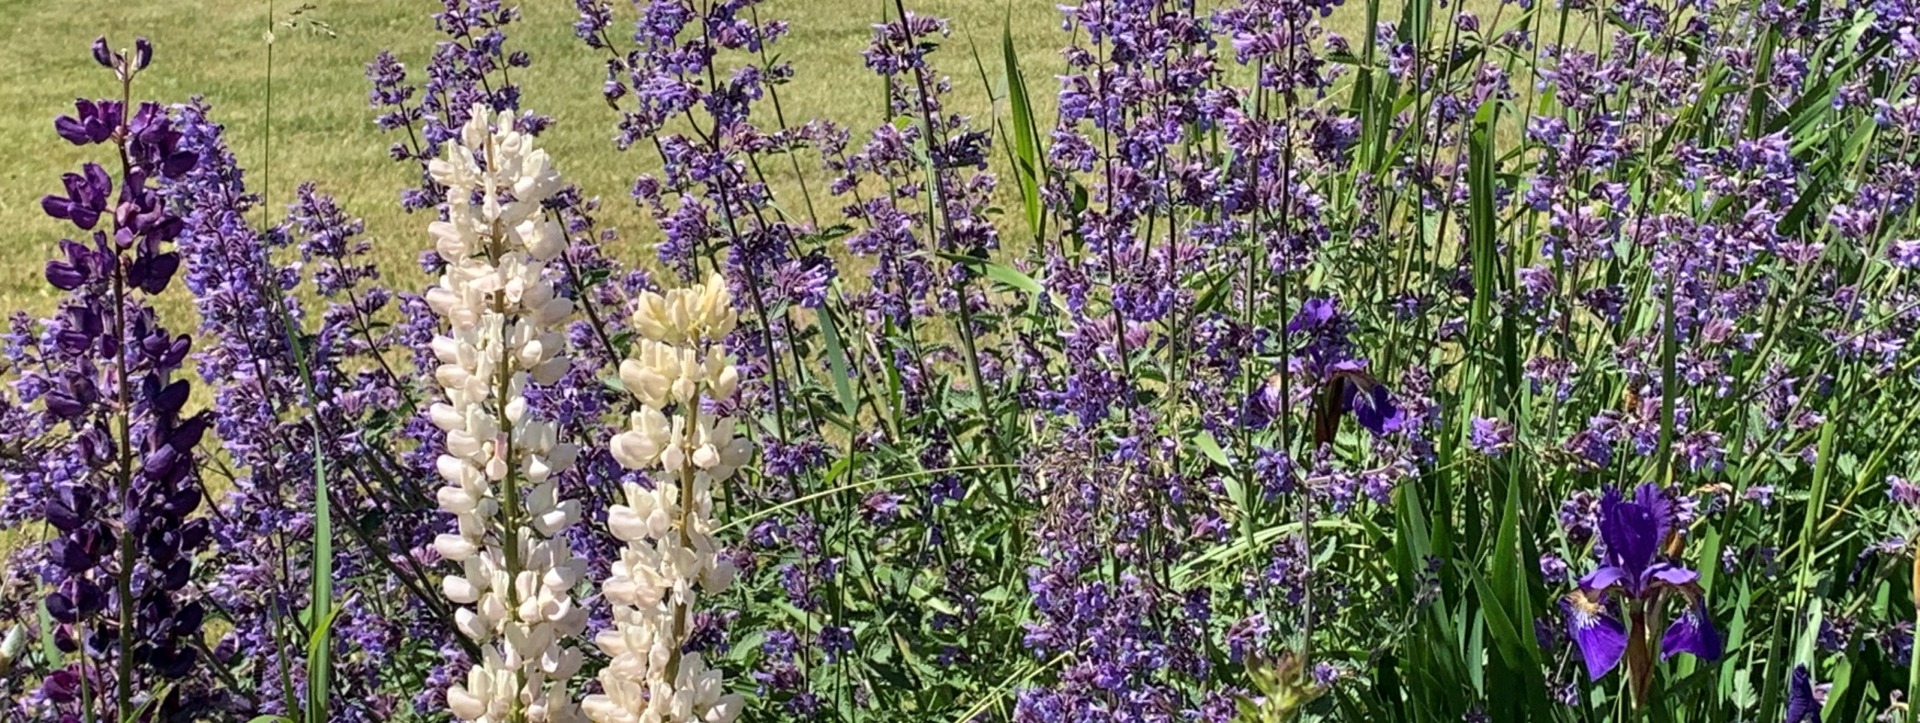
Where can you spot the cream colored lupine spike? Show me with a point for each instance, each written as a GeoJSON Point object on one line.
{"type": "Point", "coordinates": [502, 315]}
{"type": "Point", "coordinates": [671, 558]}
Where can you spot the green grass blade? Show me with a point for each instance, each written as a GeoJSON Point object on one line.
{"type": "Point", "coordinates": [840, 371]}
{"type": "Point", "coordinates": [319, 638]}
{"type": "Point", "coordinates": [1028, 167]}
{"type": "Point", "coordinates": [319, 665]}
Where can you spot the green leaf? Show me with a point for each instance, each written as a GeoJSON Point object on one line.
{"type": "Point", "coordinates": [999, 272]}
{"type": "Point", "coordinates": [49, 650]}
{"type": "Point", "coordinates": [319, 653]}
{"type": "Point", "coordinates": [837, 364]}
{"type": "Point", "coordinates": [1210, 447]}
{"type": "Point", "coordinates": [1029, 165]}
{"type": "Point", "coordinates": [320, 668]}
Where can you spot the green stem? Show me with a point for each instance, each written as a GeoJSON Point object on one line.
{"type": "Point", "coordinates": [123, 692]}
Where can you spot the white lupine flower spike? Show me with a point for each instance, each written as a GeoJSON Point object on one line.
{"type": "Point", "coordinates": [516, 579]}
{"type": "Point", "coordinates": [671, 557]}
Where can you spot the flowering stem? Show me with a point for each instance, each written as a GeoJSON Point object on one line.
{"type": "Point", "coordinates": [503, 379]}
{"type": "Point", "coordinates": [937, 195]}
{"type": "Point", "coordinates": [123, 692]}
{"type": "Point", "coordinates": [1639, 657]}
{"type": "Point", "coordinates": [780, 117]}
{"type": "Point", "coordinates": [686, 537]}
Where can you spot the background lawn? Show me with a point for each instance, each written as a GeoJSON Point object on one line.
{"type": "Point", "coordinates": [323, 130]}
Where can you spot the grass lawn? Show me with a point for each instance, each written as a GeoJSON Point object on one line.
{"type": "Point", "coordinates": [323, 130]}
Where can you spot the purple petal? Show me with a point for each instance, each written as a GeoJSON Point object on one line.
{"type": "Point", "coordinates": [1378, 413]}
{"type": "Point", "coordinates": [63, 686]}
{"type": "Point", "coordinates": [1601, 638]}
{"type": "Point", "coordinates": [1650, 496]}
{"type": "Point", "coordinates": [73, 130]}
{"type": "Point", "coordinates": [178, 164]}
{"type": "Point", "coordinates": [1691, 633]}
{"type": "Point", "coordinates": [1670, 576]}
{"type": "Point", "coordinates": [188, 434]}
{"type": "Point", "coordinates": [1602, 579]}
{"type": "Point", "coordinates": [158, 271]}
{"type": "Point", "coordinates": [1313, 313]}
{"type": "Point", "coordinates": [160, 461]}
{"type": "Point", "coordinates": [99, 184]}
{"type": "Point", "coordinates": [64, 276]}
{"type": "Point", "coordinates": [69, 509]}
{"type": "Point", "coordinates": [1802, 707]}
{"type": "Point", "coordinates": [63, 406]}
{"type": "Point", "coordinates": [171, 398]}
{"type": "Point", "coordinates": [1630, 531]}
{"type": "Point", "coordinates": [59, 207]}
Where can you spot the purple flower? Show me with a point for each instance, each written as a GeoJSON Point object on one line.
{"type": "Point", "coordinates": [1491, 437]}
{"type": "Point", "coordinates": [1904, 492]}
{"type": "Point", "coordinates": [1803, 704]}
{"type": "Point", "coordinates": [86, 197]}
{"type": "Point", "coordinates": [1371, 403]}
{"type": "Point", "coordinates": [1630, 587]}
{"type": "Point", "coordinates": [112, 452]}
{"type": "Point", "coordinates": [92, 121]}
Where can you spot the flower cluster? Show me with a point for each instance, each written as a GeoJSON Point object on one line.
{"type": "Point", "coordinates": [679, 367]}
{"type": "Point", "coordinates": [122, 487]}
{"type": "Point", "coordinates": [516, 580]}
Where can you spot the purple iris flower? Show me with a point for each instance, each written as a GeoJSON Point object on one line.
{"type": "Point", "coordinates": [1609, 614]}
{"type": "Point", "coordinates": [1803, 705]}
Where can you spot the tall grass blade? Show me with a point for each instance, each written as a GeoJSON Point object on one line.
{"type": "Point", "coordinates": [1028, 168]}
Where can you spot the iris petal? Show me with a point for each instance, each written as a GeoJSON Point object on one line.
{"type": "Point", "coordinates": [1655, 500]}
{"type": "Point", "coordinates": [1630, 531]}
{"type": "Point", "coordinates": [1601, 638]}
{"type": "Point", "coordinates": [1801, 705]}
{"type": "Point", "coordinates": [1602, 580]}
{"type": "Point", "coordinates": [1691, 633]}
{"type": "Point", "coordinates": [1672, 576]}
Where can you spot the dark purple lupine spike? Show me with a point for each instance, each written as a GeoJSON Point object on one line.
{"type": "Point", "coordinates": [81, 366]}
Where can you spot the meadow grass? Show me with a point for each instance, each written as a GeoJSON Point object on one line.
{"type": "Point", "coordinates": [322, 129]}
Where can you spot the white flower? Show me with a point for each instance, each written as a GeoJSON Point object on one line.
{"type": "Point", "coordinates": [503, 331]}
{"type": "Point", "coordinates": [671, 557]}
